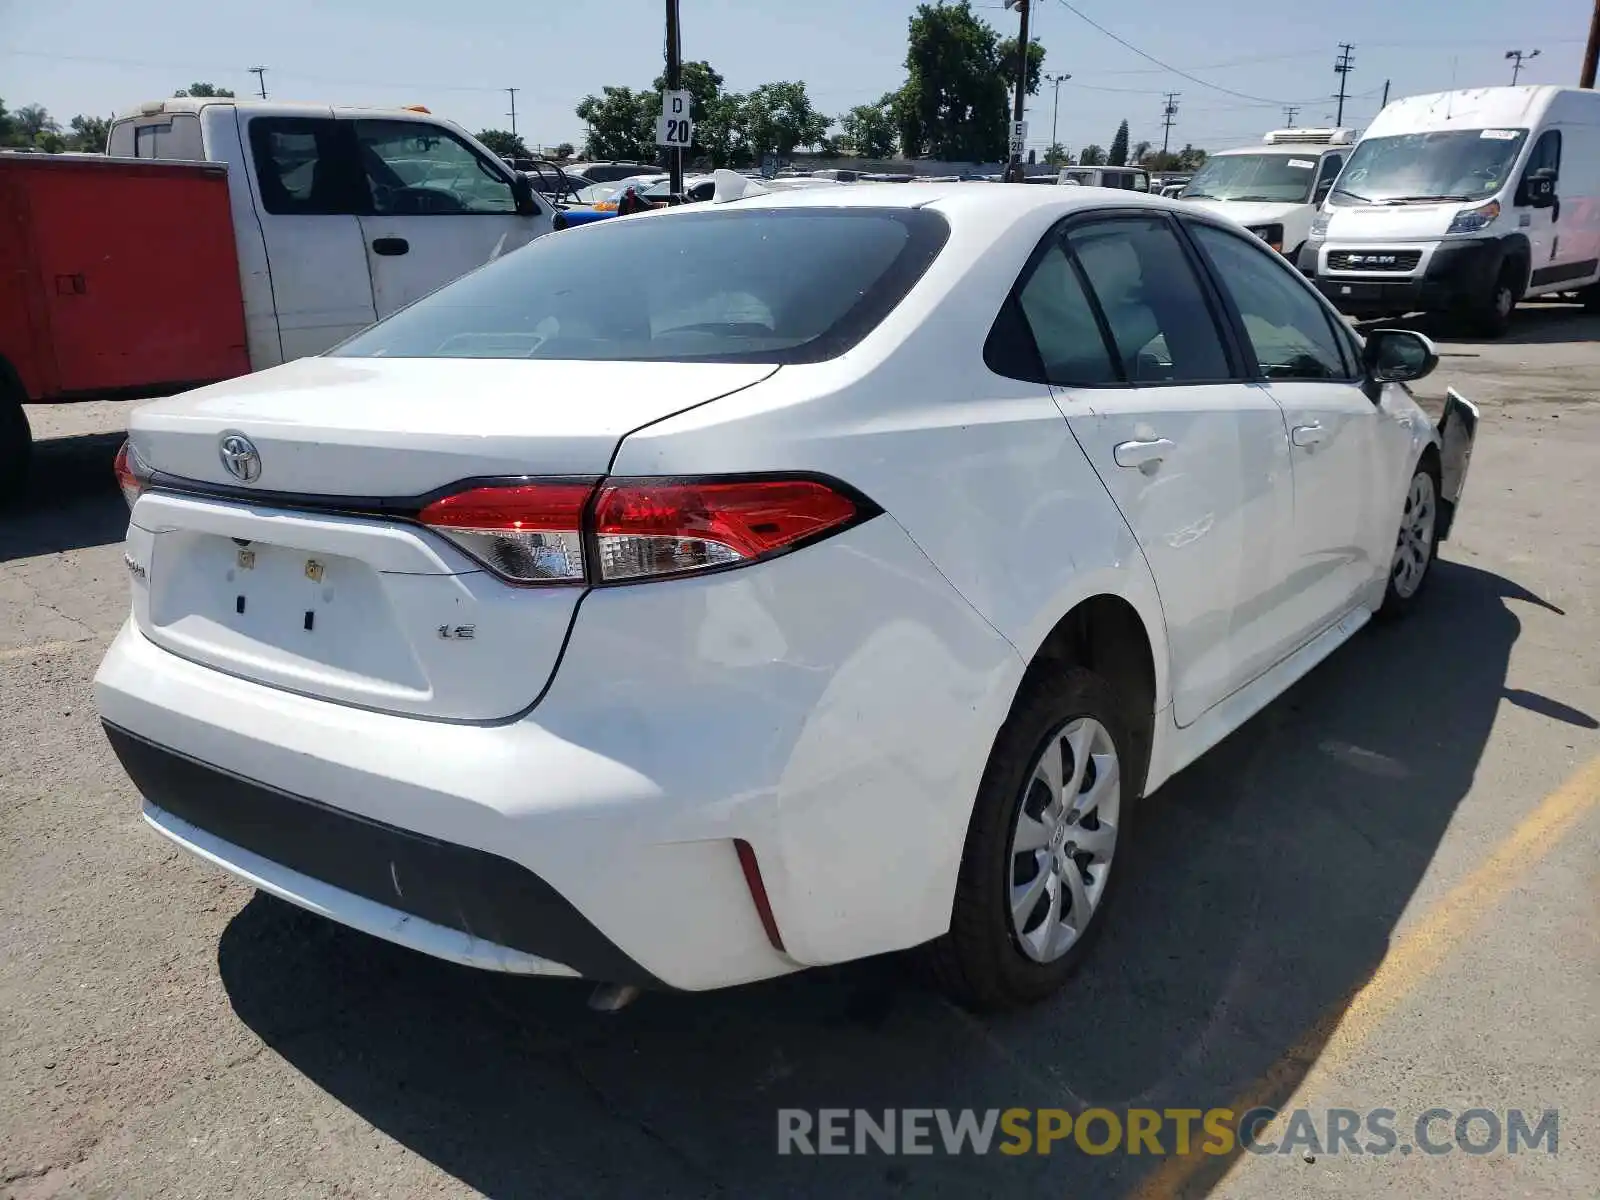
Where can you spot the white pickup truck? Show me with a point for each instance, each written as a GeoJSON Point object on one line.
{"type": "Point", "coordinates": [340, 215]}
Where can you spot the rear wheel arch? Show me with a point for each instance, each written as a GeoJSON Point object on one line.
{"type": "Point", "coordinates": [1107, 635]}
{"type": "Point", "coordinates": [16, 438]}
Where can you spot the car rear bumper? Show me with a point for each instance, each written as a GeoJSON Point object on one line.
{"type": "Point", "coordinates": [833, 709]}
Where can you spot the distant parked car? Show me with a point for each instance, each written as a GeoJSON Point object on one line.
{"type": "Point", "coordinates": [610, 172]}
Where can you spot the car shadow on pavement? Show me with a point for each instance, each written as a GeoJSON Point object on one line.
{"type": "Point", "coordinates": [71, 500]}
{"type": "Point", "coordinates": [1532, 324]}
{"type": "Point", "coordinates": [1270, 877]}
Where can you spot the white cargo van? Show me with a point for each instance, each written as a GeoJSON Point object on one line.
{"type": "Point", "coordinates": [340, 215]}
{"type": "Point", "coordinates": [1274, 188]}
{"type": "Point", "coordinates": [1465, 202]}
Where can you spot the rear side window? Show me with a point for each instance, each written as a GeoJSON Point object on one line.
{"type": "Point", "coordinates": [174, 136]}
{"type": "Point", "coordinates": [1062, 321]}
{"type": "Point", "coordinates": [1155, 308]}
{"type": "Point", "coordinates": [304, 166]}
{"type": "Point", "coordinates": [753, 285]}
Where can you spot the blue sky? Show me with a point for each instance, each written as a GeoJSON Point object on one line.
{"type": "Point", "coordinates": [104, 55]}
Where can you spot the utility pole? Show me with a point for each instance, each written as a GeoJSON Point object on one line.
{"type": "Point", "coordinates": [1290, 112]}
{"type": "Point", "coordinates": [1342, 67]}
{"type": "Point", "coordinates": [1516, 57]}
{"type": "Point", "coordinates": [1055, 108]}
{"type": "Point", "coordinates": [261, 78]}
{"type": "Point", "coordinates": [1386, 84]}
{"type": "Point", "coordinates": [1022, 7]}
{"type": "Point", "coordinates": [1591, 56]}
{"type": "Point", "coordinates": [675, 83]}
{"type": "Point", "coordinates": [512, 92]}
{"type": "Point", "coordinates": [1169, 118]}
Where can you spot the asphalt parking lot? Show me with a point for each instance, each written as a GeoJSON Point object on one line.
{"type": "Point", "coordinates": [1382, 892]}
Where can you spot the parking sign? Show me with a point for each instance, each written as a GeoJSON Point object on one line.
{"type": "Point", "coordinates": [1019, 136]}
{"type": "Point", "coordinates": [674, 127]}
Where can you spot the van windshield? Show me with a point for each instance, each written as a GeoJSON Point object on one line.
{"type": "Point", "coordinates": [1281, 178]}
{"type": "Point", "coordinates": [1453, 164]}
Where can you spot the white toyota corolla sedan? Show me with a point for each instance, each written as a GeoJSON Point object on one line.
{"type": "Point", "coordinates": [696, 597]}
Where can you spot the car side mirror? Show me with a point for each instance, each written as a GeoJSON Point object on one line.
{"type": "Point", "coordinates": [522, 193]}
{"type": "Point", "coordinates": [1541, 188]}
{"type": "Point", "coordinates": [1398, 356]}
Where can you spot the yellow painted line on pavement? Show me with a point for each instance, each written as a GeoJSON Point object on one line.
{"type": "Point", "coordinates": [1412, 958]}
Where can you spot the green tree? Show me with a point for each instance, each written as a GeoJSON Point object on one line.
{"type": "Point", "coordinates": [204, 89]}
{"type": "Point", "coordinates": [89, 133]}
{"type": "Point", "coordinates": [8, 126]}
{"type": "Point", "coordinates": [1141, 151]}
{"type": "Point", "coordinates": [1092, 156]}
{"type": "Point", "coordinates": [504, 143]}
{"type": "Point", "coordinates": [1008, 65]}
{"type": "Point", "coordinates": [704, 85]}
{"type": "Point", "coordinates": [1057, 155]}
{"type": "Point", "coordinates": [869, 128]}
{"type": "Point", "coordinates": [953, 104]}
{"type": "Point", "coordinates": [1119, 147]}
{"type": "Point", "coordinates": [32, 122]}
{"type": "Point", "coordinates": [565, 150]}
{"type": "Point", "coordinates": [1191, 159]}
{"type": "Point", "coordinates": [778, 117]}
{"type": "Point", "coordinates": [622, 124]}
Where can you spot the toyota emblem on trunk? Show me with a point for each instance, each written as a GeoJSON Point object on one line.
{"type": "Point", "coordinates": [241, 457]}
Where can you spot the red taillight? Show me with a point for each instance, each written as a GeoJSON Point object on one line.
{"type": "Point", "coordinates": [646, 527]}
{"type": "Point", "coordinates": [642, 528]}
{"type": "Point", "coordinates": [133, 474]}
{"type": "Point", "coordinates": [527, 533]}
{"type": "Point", "coordinates": [758, 891]}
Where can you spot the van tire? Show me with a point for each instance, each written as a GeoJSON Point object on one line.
{"type": "Point", "coordinates": [1591, 298]}
{"type": "Point", "coordinates": [1490, 316]}
{"type": "Point", "coordinates": [16, 441]}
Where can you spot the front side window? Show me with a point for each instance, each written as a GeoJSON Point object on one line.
{"type": "Point", "coordinates": [302, 167]}
{"type": "Point", "coordinates": [1290, 332]}
{"type": "Point", "coordinates": [1152, 301]}
{"type": "Point", "coordinates": [1452, 164]}
{"type": "Point", "coordinates": [1267, 178]}
{"type": "Point", "coordinates": [753, 285]}
{"type": "Point", "coordinates": [1545, 156]}
{"type": "Point", "coordinates": [416, 169]}
{"type": "Point", "coordinates": [1328, 175]}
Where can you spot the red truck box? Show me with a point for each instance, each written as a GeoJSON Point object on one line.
{"type": "Point", "coordinates": [117, 276]}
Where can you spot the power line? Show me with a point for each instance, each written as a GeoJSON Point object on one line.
{"type": "Point", "coordinates": [1123, 42]}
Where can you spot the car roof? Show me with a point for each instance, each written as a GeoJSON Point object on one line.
{"type": "Point", "coordinates": [963, 200]}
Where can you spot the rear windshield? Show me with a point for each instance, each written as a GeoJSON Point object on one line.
{"type": "Point", "coordinates": [758, 285]}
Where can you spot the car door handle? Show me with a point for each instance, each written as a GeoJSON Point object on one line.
{"type": "Point", "coordinates": [390, 246]}
{"type": "Point", "coordinates": [1143, 454]}
{"type": "Point", "coordinates": [1308, 435]}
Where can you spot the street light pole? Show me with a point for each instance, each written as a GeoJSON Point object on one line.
{"type": "Point", "coordinates": [1516, 57]}
{"type": "Point", "coordinates": [1055, 108]}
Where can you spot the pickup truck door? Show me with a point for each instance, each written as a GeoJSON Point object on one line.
{"type": "Point", "coordinates": [439, 208]}
{"type": "Point", "coordinates": [306, 202]}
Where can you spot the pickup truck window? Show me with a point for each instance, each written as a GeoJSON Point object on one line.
{"type": "Point", "coordinates": [301, 168]}
{"type": "Point", "coordinates": [416, 169]}
{"type": "Point", "coordinates": [170, 136]}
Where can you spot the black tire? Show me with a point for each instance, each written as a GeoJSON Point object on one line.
{"type": "Point", "coordinates": [16, 444]}
{"type": "Point", "coordinates": [1489, 316]}
{"type": "Point", "coordinates": [1591, 298]}
{"type": "Point", "coordinates": [979, 962]}
{"type": "Point", "coordinates": [1398, 602]}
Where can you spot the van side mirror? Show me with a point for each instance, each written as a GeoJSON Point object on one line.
{"type": "Point", "coordinates": [522, 193]}
{"type": "Point", "coordinates": [1398, 356]}
{"type": "Point", "coordinates": [1541, 188]}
